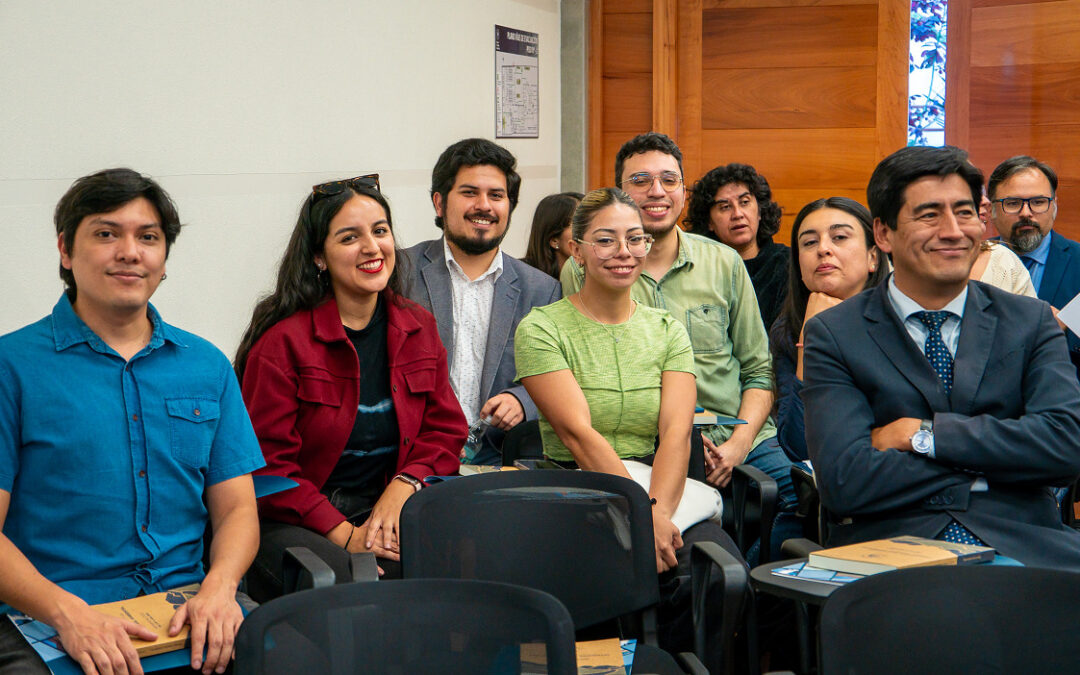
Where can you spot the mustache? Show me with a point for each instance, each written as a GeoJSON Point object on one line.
{"type": "Point", "coordinates": [486, 215]}
{"type": "Point", "coordinates": [1024, 222]}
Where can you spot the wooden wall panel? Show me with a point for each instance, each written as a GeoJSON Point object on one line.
{"type": "Point", "coordinates": [1027, 33]}
{"type": "Point", "coordinates": [628, 43]}
{"type": "Point", "coordinates": [1035, 94]}
{"type": "Point", "coordinates": [620, 80]}
{"type": "Point", "coordinates": [794, 87]}
{"type": "Point", "coordinates": [628, 102]}
{"type": "Point", "coordinates": [757, 4]}
{"type": "Point", "coordinates": [1024, 91]}
{"type": "Point", "coordinates": [787, 98]}
{"type": "Point", "coordinates": [774, 37]}
{"type": "Point", "coordinates": [797, 158]}
{"type": "Point", "coordinates": [629, 7]}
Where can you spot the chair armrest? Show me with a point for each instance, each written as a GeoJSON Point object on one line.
{"type": "Point", "coordinates": [746, 479]}
{"type": "Point", "coordinates": [301, 570]}
{"type": "Point", "coordinates": [734, 588]}
{"type": "Point", "coordinates": [690, 664]}
{"type": "Point", "coordinates": [799, 548]}
{"type": "Point", "coordinates": [363, 567]}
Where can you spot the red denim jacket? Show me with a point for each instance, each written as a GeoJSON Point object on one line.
{"type": "Point", "coordinates": [302, 386]}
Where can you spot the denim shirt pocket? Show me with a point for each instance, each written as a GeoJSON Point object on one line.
{"type": "Point", "coordinates": [707, 326]}
{"type": "Point", "coordinates": [192, 427]}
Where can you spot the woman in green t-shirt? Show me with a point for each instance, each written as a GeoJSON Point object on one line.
{"type": "Point", "coordinates": [608, 375]}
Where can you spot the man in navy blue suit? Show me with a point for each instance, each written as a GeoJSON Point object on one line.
{"type": "Point", "coordinates": [1023, 192]}
{"type": "Point", "coordinates": [935, 406]}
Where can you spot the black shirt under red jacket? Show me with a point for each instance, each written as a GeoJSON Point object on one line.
{"type": "Point", "coordinates": [301, 388]}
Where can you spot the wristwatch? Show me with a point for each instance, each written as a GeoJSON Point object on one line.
{"type": "Point", "coordinates": [415, 482]}
{"type": "Point", "coordinates": [922, 441]}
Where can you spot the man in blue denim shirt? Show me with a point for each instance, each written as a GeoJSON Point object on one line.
{"type": "Point", "coordinates": [120, 437]}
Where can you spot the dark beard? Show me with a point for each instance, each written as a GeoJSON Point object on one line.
{"type": "Point", "coordinates": [1025, 243]}
{"type": "Point", "coordinates": [474, 245]}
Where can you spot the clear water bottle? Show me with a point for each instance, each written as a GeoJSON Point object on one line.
{"type": "Point", "coordinates": [475, 438]}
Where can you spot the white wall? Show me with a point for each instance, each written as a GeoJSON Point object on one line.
{"type": "Point", "coordinates": [238, 107]}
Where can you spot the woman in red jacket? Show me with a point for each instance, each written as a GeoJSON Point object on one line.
{"type": "Point", "coordinates": [347, 387]}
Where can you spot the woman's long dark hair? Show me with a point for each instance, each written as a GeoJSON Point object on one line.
{"type": "Point", "coordinates": [300, 285]}
{"type": "Point", "coordinates": [552, 215]}
{"type": "Point", "coordinates": [793, 311]}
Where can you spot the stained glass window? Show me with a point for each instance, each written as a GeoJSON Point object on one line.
{"type": "Point", "coordinates": [926, 73]}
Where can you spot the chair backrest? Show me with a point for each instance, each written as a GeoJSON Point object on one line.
{"type": "Point", "coordinates": [415, 626]}
{"type": "Point", "coordinates": [522, 442]}
{"type": "Point", "coordinates": [584, 537]}
{"type": "Point", "coordinates": [966, 619]}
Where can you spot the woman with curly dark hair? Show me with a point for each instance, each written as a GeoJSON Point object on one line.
{"type": "Point", "coordinates": [733, 205]}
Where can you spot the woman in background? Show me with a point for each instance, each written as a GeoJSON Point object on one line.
{"type": "Point", "coordinates": [347, 387]}
{"type": "Point", "coordinates": [833, 257]}
{"type": "Point", "coordinates": [733, 204]}
{"type": "Point", "coordinates": [549, 239]}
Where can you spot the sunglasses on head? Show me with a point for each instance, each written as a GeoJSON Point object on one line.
{"type": "Point", "coordinates": [336, 187]}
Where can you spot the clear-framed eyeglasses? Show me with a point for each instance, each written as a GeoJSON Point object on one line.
{"type": "Point", "coordinates": [608, 247]}
{"type": "Point", "coordinates": [1012, 205]}
{"type": "Point", "coordinates": [669, 180]}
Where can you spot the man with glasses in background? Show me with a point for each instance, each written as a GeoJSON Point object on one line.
{"type": "Point", "coordinates": [1023, 195]}
{"type": "Point", "coordinates": [705, 286]}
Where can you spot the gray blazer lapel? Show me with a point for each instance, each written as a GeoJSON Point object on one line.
{"type": "Point", "coordinates": [503, 312]}
{"type": "Point", "coordinates": [887, 330]}
{"type": "Point", "coordinates": [439, 293]}
{"type": "Point", "coordinates": [973, 352]}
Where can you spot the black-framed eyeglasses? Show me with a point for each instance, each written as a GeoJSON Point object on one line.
{"type": "Point", "coordinates": [1012, 205]}
{"type": "Point", "coordinates": [336, 187]}
{"type": "Point", "coordinates": [669, 180]}
{"type": "Point", "coordinates": [607, 248]}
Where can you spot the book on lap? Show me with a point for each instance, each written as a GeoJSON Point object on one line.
{"type": "Point", "coordinates": [884, 555]}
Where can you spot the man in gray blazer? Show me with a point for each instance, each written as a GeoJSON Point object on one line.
{"type": "Point", "coordinates": [477, 294]}
{"type": "Point", "coordinates": [936, 406]}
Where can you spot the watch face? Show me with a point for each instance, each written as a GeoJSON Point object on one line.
{"type": "Point", "coordinates": [921, 440]}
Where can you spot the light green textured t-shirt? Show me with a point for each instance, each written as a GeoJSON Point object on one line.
{"type": "Point", "coordinates": [708, 291]}
{"type": "Point", "coordinates": [620, 380]}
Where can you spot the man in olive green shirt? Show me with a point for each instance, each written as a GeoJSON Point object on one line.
{"type": "Point", "coordinates": [704, 285]}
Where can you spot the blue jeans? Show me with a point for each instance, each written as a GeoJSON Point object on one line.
{"type": "Point", "coordinates": [769, 457]}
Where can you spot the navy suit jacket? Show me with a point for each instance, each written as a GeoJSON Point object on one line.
{"type": "Point", "coordinates": [519, 288]}
{"type": "Point", "coordinates": [1061, 281]}
{"type": "Point", "coordinates": [1013, 417]}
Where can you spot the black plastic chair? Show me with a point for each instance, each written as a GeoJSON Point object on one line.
{"type": "Point", "coordinates": [584, 537]}
{"type": "Point", "coordinates": [522, 442]}
{"type": "Point", "coordinates": [417, 626]}
{"type": "Point", "coordinates": [966, 619]}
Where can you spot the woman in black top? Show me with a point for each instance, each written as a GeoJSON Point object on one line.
{"type": "Point", "coordinates": [733, 205]}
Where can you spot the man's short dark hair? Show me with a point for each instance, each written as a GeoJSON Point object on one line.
{"type": "Point", "coordinates": [701, 199]}
{"type": "Point", "coordinates": [105, 192]}
{"type": "Point", "coordinates": [1015, 165]}
{"type": "Point", "coordinates": [473, 152]}
{"type": "Point", "coordinates": [885, 191]}
{"type": "Point", "coordinates": [645, 143]}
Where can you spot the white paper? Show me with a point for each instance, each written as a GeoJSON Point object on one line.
{"type": "Point", "coordinates": [1070, 315]}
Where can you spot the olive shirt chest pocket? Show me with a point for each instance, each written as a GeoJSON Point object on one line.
{"type": "Point", "coordinates": [707, 326]}
{"type": "Point", "coordinates": [193, 422]}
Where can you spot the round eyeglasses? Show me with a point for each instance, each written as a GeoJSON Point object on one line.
{"type": "Point", "coordinates": [669, 180]}
{"type": "Point", "coordinates": [1016, 204]}
{"type": "Point", "coordinates": [608, 247]}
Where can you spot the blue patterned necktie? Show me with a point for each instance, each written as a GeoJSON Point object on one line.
{"type": "Point", "coordinates": [1028, 262]}
{"type": "Point", "coordinates": [936, 352]}
{"type": "Point", "coordinates": [942, 362]}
